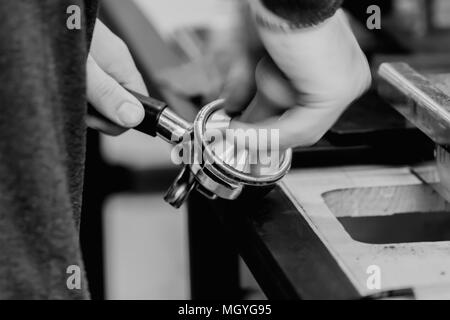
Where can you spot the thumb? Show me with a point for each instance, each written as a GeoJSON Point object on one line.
{"type": "Point", "coordinates": [110, 99]}
{"type": "Point", "coordinates": [296, 127]}
{"type": "Point", "coordinates": [276, 109]}
{"type": "Point", "coordinates": [239, 85]}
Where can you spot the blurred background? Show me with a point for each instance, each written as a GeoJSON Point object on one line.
{"type": "Point", "coordinates": [135, 245]}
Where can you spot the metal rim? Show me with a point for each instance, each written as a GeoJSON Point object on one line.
{"type": "Point", "coordinates": [219, 165]}
{"type": "Point", "coordinates": [180, 189]}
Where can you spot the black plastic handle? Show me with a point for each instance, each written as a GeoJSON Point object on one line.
{"type": "Point", "coordinates": [153, 109]}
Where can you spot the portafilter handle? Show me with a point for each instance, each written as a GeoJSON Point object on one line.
{"type": "Point", "coordinates": [158, 121]}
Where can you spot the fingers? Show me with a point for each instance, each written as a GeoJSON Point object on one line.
{"type": "Point", "coordinates": [239, 86]}
{"type": "Point", "coordinates": [110, 67]}
{"type": "Point", "coordinates": [113, 56]}
{"type": "Point", "coordinates": [110, 99]}
{"type": "Point", "coordinates": [272, 84]}
{"type": "Point", "coordinates": [274, 96]}
{"type": "Point", "coordinates": [104, 126]}
{"type": "Point", "coordinates": [300, 115]}
{"type": "Point", "coordinates": [297, 127]}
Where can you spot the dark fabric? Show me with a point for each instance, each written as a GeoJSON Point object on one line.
{"type": "Point", "coordinates": [42, 146]}
{"type": "Point", "coordinates": [303, 13]}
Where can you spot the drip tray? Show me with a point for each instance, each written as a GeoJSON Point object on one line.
{"type": "Point", "coordinates": [399, 228]}
{"type": "Point", "coordinates": [384, 215]}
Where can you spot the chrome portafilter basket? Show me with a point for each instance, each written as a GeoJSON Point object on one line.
{"type": "Point", "coordinates": [220, 168]}
{"type": "Point", "coordinates": [214, 165]}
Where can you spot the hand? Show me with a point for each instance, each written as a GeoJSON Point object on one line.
{"type": "Point", "coordinates": [110, 68]}
{"type": "Point", "coordinates": [314, 74]}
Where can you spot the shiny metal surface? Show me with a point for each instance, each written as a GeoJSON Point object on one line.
{"type": "Point", "coordinates": [225, 171]}
{"type": "Point", "coordinates": [417, 99]}
{"type": "Point", "coordinates": [224, 189]}
{"type": "Point", "coordinates": [171, 127]}
{"type": "Point", "coordinates": [181, 188]}
{"type": "Point", "coordinates": [209, 174]}
{"type": "Point", "coordinates": [425, 102]}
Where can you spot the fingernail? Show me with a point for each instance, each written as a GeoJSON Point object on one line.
{"type": "Point", "coordinates": [130, 114]}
